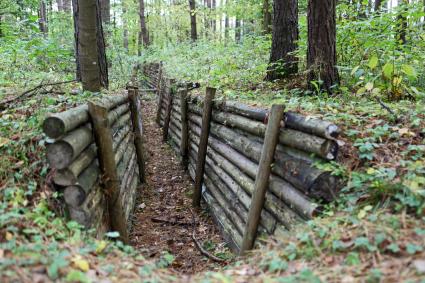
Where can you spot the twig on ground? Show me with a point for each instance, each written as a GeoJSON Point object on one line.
{"type": "Point", "coordinates": [199, 246]}
{"type": "Point", "coordinates": [170, 222]}
{"type": "Point", "coordinates": [386, 107]}
{"type": "Point", "coordinates": [4, 103]}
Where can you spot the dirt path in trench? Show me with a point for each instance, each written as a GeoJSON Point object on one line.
{"type": "Point", "coordinates": [166, 197]}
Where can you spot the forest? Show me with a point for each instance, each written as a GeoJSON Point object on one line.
{"type": "Point", "coordinates": [358, 64]}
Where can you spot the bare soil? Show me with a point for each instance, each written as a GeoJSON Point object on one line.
{"type": "Point", "coordinates": [164, 217]}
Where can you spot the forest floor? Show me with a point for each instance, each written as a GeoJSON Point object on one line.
{"type": "Point", "coordinates": [164, 218]}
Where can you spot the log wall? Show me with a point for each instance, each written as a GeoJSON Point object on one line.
{"type": "Point", "coordinates": [296, 188]}
{"type": "Point", "coordinates": [91, 195]}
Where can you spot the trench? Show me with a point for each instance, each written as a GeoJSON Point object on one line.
{"type": "Point", "coordinates": [164, 219]}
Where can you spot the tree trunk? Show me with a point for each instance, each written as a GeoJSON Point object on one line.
{"type": "Point", "coordinates": [42, 18]}
{"type": "Point", "coordinates": [143, 34]}
{"type": "Point", "coordinates": [105, 11]}
{"type": "Point", "coordinates": [213, 20]}
{"type": "Point", "coordinates": [402, 22]}
{"type": "Point", "coordinates": [193, 32]}
{"type": "Point", "coordinates": [124, 26]}
{"type": "Point", "coordinates": [321, 55]}
{"type": "Point", "coordinates": [238, 34]}
{"type": "Point", "coordinates": [66, 6]}
{"type": "Point", "coordinates": [92, 69]}
{"type": "Point", "coordinates": [377, 5]}
{"type": "Point", "coordinates": [60, 5]}
{"type": "Point", "coordinates": [285, 35]}
{"type": "Point", "coordinates": [267, 17]}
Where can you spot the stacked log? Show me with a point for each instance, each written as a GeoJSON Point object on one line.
{"type": "Point", "coordinates": [74, 156]}
{"type": "Point", "coordinates": [296, 186]}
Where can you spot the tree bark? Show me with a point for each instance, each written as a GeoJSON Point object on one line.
{"type": "Point", "coordinates": [402, 22]}
{"type": "Point", "coordinates": [92, 69]}
{"type": "Point", "coordinates": [267, 17]}
{"type": "Point", "coordinates": [238, 32]}
{"type": "Point", "coordinates": [105, 7]}
{"type": "Point", "coordinates": [124, 26]}
{"type": "Point", "coordinates": [285, 35]}
{"type": "Point", "coordinates": [321, 55]}
{"type": "Point", "coordinates": [143, 34]}
{"type": "Point", "coordinates": [42, 18]}
{"type": "Point", "coordinates": [193, 31]}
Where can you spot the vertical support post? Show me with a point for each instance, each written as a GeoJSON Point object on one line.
{"type": "Point", "coordinates": [170, 93]}
{"type": "Point", "coordinates": [262, 177]}
{"type": "Point", "coordinates": [103, 137]}
{"type": "Point", "coordinates": [203, 144]}
{"type": "Point", "coordinates": [137, 121]}
{"type": "Point", "coordinates": [159, 92]}
{"type": "Point", "coordinates": [184, 143]}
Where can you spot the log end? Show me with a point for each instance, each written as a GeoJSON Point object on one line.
{"type": "Point", "coordinates": [325, 188]}
{"type": "Point", "coordinates": [330, 149]}
{"type": "Point", "coordinates": [74, 195]}
{"type": "Point", "coordinates": [64, 177]}
{"type": "Point", "coordinates": [333, 131]}
{"type": "Point", "coordinates": [59, 154]}
{"type": "Point", "coordinates": [53, 127]}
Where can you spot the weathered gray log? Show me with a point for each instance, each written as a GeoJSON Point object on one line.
{"type": "Point", "coordinates": [236, 193]}
{"type": "Point", "coordinates": [122, 147]}
{"type": "Point", "coordinates": [103, 135]}
{"type": "Point", "coordinates": [114, 101]}
{"type": "Point", "coordinates": [131, 199]}
{"type": "Point", "coordinates": [58, 124]}
{"type": "Point", "coordinates": [75, 195]}
{"type": "Point", "coordinates": [121, 122]}
{"type": "Point", "coordinates": [128, 172]}
{"type": "Point", "coordinates": [324, 148]}
{"type": "Point", "coordinates": [240, 167]}
{"type": "Point", "coordinates": [203, 144]}
{"type": "Point", "coordinates": [115, 113]}
{"type": "Point", "coordinates": [69, 176]}
{"type": "Point", "coordinates": [184, 142]}
{"type": "Point", "coordinates": [312, 126]}
{"type": "Point", "coordinates": [119, 136]}
{"type": "Point", "coordinates": [89, 212]}
{"type": "Point", "coordinates": [262, 178]}
{"type": "Point", "coordinates": [300, 173]}
{"type": "Point", "coordinates": [160, 103]}
{"type": "Point", "coordinates": [62, 152]}
{"type": "Point", "coordinates": [136, 118]}
{"type": "Point", "coordinates": [126, 162]}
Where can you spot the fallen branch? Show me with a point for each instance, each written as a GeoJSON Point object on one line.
{"type": "Point", "coordinates": [386, 107]}
{"type": "Point", "coordinates": [199, 246]}
{"type": "Point", "coordinates": [3, 104]}
{"type": "Point", "coordinates": [170, 222]}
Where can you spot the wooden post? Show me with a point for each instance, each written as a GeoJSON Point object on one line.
{"type": "Point", "coordinates": [203, 144]}
{"type": "Point", "coordinates": [104, 142]}
{"type": "Point", "coordinates": [184, 143]}
{"type": "Point", "coordinates": [159, 91]}
{"type": "Point", "coordinates": [136, 118]}
{"type": "Point", "coordinates": [170, 92]}
{"type": "Point", "coordinates": [262, 177]}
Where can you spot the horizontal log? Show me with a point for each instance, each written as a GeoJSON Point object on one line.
{"type": "Point", "coordinates": [58, 124]}
{"type": "Point", "coordinates": [126, 162]}
{"type": "Point", "coordinates": [115, 113]}
{"type": "Point", "coordinates": [119, 136]}
{"type": "Point", "coordinates": [311, 181]}
{"type": "Point", "coordinates": [88, 213]}
{"type": "Point", "coordinates": [75, 195]}
{"type": "Point", "coordinates": [131, 197]}
{"type": "Point", "coordinates": [123, 146]}
{"type": "Point", "coordinates": [69, 176]}
{"type": "Point", "coordinates": [230, 233]}
{"type": "Point", "coordinates": [312, 126]}
{"type": "Point", "coordinates": [324, 148]}
{"type": "Point", "coordinates": [244, 170]}
{"type": "Point", "coordinates": [62, 152]}
{"type": "Point", "coordinates": [113, 101]}
{"type": "Point", "coordinates": [122, 121]}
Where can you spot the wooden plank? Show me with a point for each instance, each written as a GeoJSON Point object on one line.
{"type": "Point", "coordinates": [136, 118]}
{"type": "Point", "coordinates": [168, 111]}
{"type": "Point", "coordinates": [203, 144]}
{"type": "Point", "coordinates": [104, 142]}
{"type": "Point", "coordinates": [262, 177]}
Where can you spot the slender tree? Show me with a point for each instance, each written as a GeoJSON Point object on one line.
{"type": "Point", "coordinates": [106, 11]}
{"type": "Point", "coordinates": [284, 40]}
{"type": "Point", "coordinates": [92, 69]}
{"type": "Point", "coordinates": [321, 54]}
{"type": "Point", "coordinates": [124, 25]}
{"type": "Point", "coordinates": [144, 33]}
{"type": "Point", "coordinates": [42, 17]}
{"type": "Point", "coordinates": [402, 22]}
{"type": "Point", "coordinates": [238, 31]}
{"type": "Point", "coordinates": [192, 10]}
{"type": "Point", "coordinates": [267, 17]}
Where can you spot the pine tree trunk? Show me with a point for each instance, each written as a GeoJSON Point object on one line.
{"type": "Point", "coordinates": [143, 34]}
{"type": "Point", "coordinates": [193, 31]}
{"type": "Point", "coordinates": [105, 11]}
{"type": "Point", "coordinates": [267, 17]}
{"type": "Point", "coordinates": [92, 69]}
{"type": "Point", "coordinates": [285, 35]}
{"type": "Point", "coordinates": [42, 18]}
{"type": "Point", "coordinates": [321, 55]}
